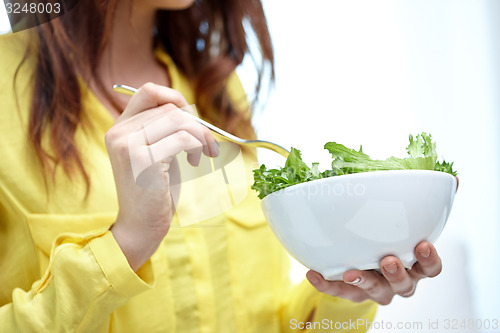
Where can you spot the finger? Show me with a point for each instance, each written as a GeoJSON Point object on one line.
{"type": "Point", "coordinates": [143, 156]}
{"type": "Point", "coordinates": [428, 261]}
{"type": "Point", "coordinates": [400, 281]}
{"type": "Point", "coordinates": [158, 125]}
{"type": "Point", "coordinates": [139, 153]}
{"type": "Point", "coordinates": [372, 283]}
{"type": "Point", "coordinates": [194, 155]}
{"type": "Point", "coordinates": [173, 121]}
{"type": "Point", "coordinates": [162, 124]}
{"type": "Point", "coordinates": [213, 145]}
{"type": "Point", "coordinates": [336, 288]}
{"type": "Point", "coordinates": [150, 96]}
{"type": "Point", "coordinates": [174, 144]}
{"type": "Point", "coordinates": [190, 109]}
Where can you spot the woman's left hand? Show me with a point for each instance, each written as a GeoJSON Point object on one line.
{"type": "Point", "coordinates": [359, 285]}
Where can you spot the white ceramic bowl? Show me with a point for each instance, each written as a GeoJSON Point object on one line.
{"type": "Point", "coordinates": [334, 224]}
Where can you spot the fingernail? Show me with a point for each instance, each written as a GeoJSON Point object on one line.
{"type": "Point", "coordinates": [214, 149]}
{"type": "Point", "coordinates": [391, 268]}
{"type": "Point", "coordinates": [425, 253]}
{"type": "Point", "coordinates": [356, 281]}
{"type": "Point", "coordinates": [194, 159]}
{"type": "Point", "coordinates": [313, 279]}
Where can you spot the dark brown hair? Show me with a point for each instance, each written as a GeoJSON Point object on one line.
{"type": "Point", "coordinates": [206, 41]}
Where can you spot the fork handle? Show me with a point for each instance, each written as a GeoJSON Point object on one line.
{"type": "Point", "coordinates": [126, 90]}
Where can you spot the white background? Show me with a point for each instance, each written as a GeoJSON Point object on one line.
{"type": "Point", "coordinates": [372, 72]}
{"type": "Point", "coordinates": [4, 22]}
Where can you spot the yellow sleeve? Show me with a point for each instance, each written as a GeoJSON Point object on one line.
{"type": "Point", "coordinates": [330, 314]}
{"type": "Point", "coordinates": [88, 278]}
{"type": "Point", "coordinates": [51, 280]}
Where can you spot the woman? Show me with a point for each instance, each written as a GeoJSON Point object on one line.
{"type": "Point", "coordinates": [83, 247]}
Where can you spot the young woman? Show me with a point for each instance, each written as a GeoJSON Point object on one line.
{"type": "Point", "coordinates": [83, 247]}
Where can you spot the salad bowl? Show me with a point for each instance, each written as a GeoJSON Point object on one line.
{"type": "Point", "coordinates": [352, 221]}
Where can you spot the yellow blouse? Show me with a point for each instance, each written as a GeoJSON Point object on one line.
{"type": "Point", "coordinates": [62, 270]}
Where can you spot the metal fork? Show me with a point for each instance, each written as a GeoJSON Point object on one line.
{"type": "Point", "coordinates": [126, 90]}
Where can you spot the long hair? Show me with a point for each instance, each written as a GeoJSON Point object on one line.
{"type": "Point", "coordinates": [206, 41]}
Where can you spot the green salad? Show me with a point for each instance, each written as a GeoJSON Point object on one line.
{"type": "Point", "coordinates": [421, 150]}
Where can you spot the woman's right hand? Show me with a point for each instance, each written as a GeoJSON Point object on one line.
{"type": "Point", "coordinates": [145, 214]}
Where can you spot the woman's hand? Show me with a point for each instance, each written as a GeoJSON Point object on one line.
{"type": "Point", "coordinates": [145, 214]}
{"type": "Point", "coordinates": [359, 285]}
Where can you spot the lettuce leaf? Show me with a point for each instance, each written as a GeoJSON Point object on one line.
{"type": "Point", "coordinates": [422, 153]}
{"type": "Point", "coordinates": [421, 150]}
{"type": "Point", "coordinates": [295, 171]}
